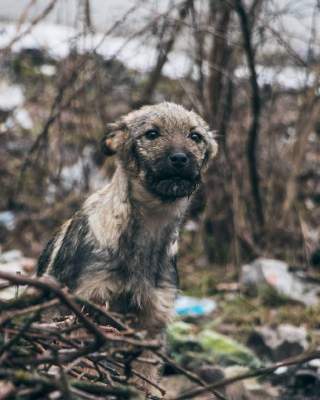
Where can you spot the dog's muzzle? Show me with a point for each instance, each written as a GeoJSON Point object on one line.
{"type": "Point", "coordinates": [174, 176]}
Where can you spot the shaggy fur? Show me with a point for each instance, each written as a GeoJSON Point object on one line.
{"type": "Point", "coordinates": [120, 248]}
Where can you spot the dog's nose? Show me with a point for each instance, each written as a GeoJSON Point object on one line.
{"type": "Point", "coordinates": [179, 159]}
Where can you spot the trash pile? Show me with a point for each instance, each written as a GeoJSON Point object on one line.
{"type": "Point", "coordinates": [276, 274]}
{"type": "Point", "coordinates": [281, 349]}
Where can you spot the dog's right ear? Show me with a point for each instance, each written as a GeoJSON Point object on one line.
{"type": "Point", "coordinates": [116, 134]}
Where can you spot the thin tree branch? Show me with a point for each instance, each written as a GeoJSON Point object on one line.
{"type": "Point", "coordinates": [303, 358]}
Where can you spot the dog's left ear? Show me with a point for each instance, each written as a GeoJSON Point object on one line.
{"type": "Point", "coordinates": [116, 134]}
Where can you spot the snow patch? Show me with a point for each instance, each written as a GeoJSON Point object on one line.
{"type": "Point", "coordinates": [59, 40]}
{"type": "Point", "coordinates": [11, 96]}
{"type": "Point", "coordinates": [22, 117]}
{"type": "Point", "coordinates": [8, 220]}
{"type": "Point", "coordinates": [47, 69]}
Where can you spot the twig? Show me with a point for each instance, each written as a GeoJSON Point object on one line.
{"type": "Point", "coordinates": [305, 357]}
{"type": "Point", "coordinates": [53, 287]}
{"type": "Point", "coordinates": [6, 346]}
{"type": "Point", "coordinates": [48, 284]}
{"type": "Point", "coordinates": [164, 51]}
{"type": "Point", "coordinates": [33, 23]}
{"type": "Point", "coordinates": [190, 375]}
{"type": "Point", "coordinates": [18, 313]}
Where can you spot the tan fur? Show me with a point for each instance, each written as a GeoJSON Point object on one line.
{"type": "Point", "coordinates": [96, 287]}
{"type": "Point", "coordinates": [58, 243]}
{"type": "Point", "coordinates": [163, 311]}
{"type": "Point", "coordinates": [108, 210]}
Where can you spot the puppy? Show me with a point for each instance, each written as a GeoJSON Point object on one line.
{"type": "Point", "coordinates": [121, 247]}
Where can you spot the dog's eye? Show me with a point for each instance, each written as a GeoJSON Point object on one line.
{"type": "Point", "coordinates": [152, 134]}
{"type": "Point", "coordinates": [196, 137]}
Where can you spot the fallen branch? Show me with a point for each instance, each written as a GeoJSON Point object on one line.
{"type": "Point", "coordinates": [74, 344]}
{"type": "Point", "coordinates": [301, 359]}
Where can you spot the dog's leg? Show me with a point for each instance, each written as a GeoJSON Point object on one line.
{"type": "Point", "coordinates": [156, 318]}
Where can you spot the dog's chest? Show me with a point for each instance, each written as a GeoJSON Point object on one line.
{"type": "Point", "coordinates": [142, 262]}
{"type": "Point", "coordinates": [128, 277]}
{"type": "Point", "coordinates": [131, 254]}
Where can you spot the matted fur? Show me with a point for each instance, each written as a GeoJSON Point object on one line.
{"type": "Point", "coordinates": [121, 247]}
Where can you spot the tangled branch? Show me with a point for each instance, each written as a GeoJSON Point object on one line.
{"type": "Point", "coordinates": [37, 355]}
{"type": "Point", "coordinates": [74, 354]}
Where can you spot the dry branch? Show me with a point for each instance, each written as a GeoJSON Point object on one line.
{"type": "Point", "coordinates": [301, 359]}
{"type": "Point", "coordinates": [164, 51]}
{"type": "Point", "coordinates": [31, 349]}
{"type": "Point", "coordinates": [36, 20]}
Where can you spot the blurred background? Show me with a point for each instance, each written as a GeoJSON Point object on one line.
{"type": "Point", "coordinates": [251, 68]}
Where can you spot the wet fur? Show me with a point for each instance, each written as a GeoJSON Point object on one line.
{"type": "Point", "coordinates": [121, 247]}
{"type": "Point", "coordinates": [97, 243]}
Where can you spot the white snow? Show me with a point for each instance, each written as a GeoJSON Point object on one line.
{"type": "Point", "coordinates": [287, 77]}
{"type": "Point", "coordinates": [47, 69]}
{"type": "Point", "coordinates": [11, 262]}
{"type": "Point", "coordinates": [76, 176]}
{"type": "Point", "coordinates": [8, 219]}
{"type": "Point", "coordinates": [22, 117]}
{"type": "Point", "coordinates": [58, 40]}
{"type": "Point", "coordinates": [11, 96]}
{"type": "Point", "coordinates": [55, 38]}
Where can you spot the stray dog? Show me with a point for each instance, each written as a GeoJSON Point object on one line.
{"type": "Point", "coordinates": [121, 247]}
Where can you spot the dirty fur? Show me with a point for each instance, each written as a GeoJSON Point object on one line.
{"type": "Point", "coordinates": [121, 247]}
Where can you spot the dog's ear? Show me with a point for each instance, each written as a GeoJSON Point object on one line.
{"type": "Point", "coordinates": [115, 136]}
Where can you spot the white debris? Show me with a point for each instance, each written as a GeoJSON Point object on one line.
{"type": "Point", "coordinates": [281, 370]}
{"type": "Point", "coordinates": [22, 117]}
{"type": "Point", "coordinates": [293, 334]}
{"type": "Point", "coordinates": [83, 174]}
{"type": "Point", "coordinates": [9, 262]}
{"type": "Point", "coordinates": [286, 77]}
{"type": "Point", "coordinates": [8, 220]}
{"type": "Point", "coordinates": [275, 273]}
{"type": "Point", "coordinates": [191, 226]}
{"type": "Point", "coordinates": [10, 256]}
{"type": "Point", "coordinates": [11, 96]}
{"type": "Point", "coordinates": [48, 70]}
{"type": "Point", "coordinates": [14, 262]}
{"type": "Point", "coordinates": [315, 363]}
{"type": "Point", "coordinates": [278, 343]}
{"type": "Point", "coordinates": [13, 267]}
{"type": "Point", "coordinates": [12, 291]}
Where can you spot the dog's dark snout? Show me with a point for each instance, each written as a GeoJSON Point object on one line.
{"type": "Point", "coordinates": [178, 159]}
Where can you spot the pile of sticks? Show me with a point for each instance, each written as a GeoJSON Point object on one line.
{"type": "Point", "coordinates": [70, 356]}
{"type": "Point", "coordinates": [85, 353]}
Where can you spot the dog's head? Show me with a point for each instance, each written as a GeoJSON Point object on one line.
{"type": "Point", "coordinates": [164, 146]}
